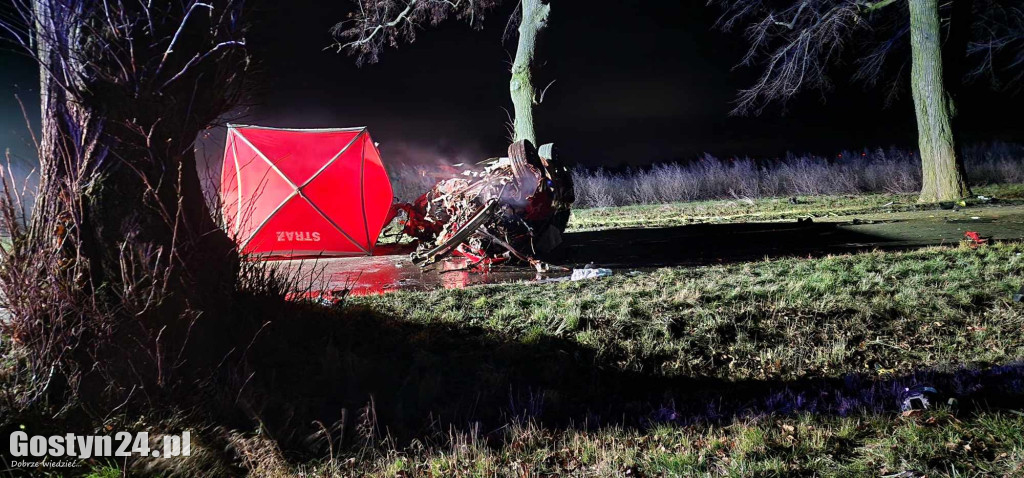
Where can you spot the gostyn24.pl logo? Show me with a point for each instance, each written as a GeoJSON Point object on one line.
{"type": "Point", "coordinates": [121, 444]}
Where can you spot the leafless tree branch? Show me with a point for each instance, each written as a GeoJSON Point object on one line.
{"type": "Point", "coordinates": [380, 24]}
{"type": "Point", "coordinates": [997, 43]}
{"type": "Point", "coordinates": [795, 42]}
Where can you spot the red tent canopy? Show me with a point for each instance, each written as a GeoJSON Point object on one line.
{"type": "Point", "coordinates": [299, 192]}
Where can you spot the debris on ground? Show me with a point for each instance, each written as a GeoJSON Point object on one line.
{"type": "Point", "coordinates": [906, 474]}
{"type": "Point", "coordinates": [954, 205]}
{"type": "Point", "coordinates": [1019, 296]}
{"type": "Point", "coordinates": [918, 397]}
{"type": "Point", "coordinates": [589, 272]}
{"type": "Point", "coordinates": [508, 209]}
{"type": "Point", "coordinates": [327, 298]}
{"type": "Point", "coordinates": [976, 239]}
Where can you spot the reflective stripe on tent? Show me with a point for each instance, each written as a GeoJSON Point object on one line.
{"type": "Point", "coordinates": [300, 192]}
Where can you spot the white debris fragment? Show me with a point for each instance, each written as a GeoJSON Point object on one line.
{"type": "Point", "coordinates": [590, 273]}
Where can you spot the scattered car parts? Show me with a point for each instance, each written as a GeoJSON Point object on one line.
{"type": "Point", "coordinates": [511, 208]}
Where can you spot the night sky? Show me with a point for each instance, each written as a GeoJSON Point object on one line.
{"type": "Point", "coordinates": [636, 83]}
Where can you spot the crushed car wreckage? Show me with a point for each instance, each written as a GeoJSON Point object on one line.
{"type": "Point", "coordinates": [512, 208]}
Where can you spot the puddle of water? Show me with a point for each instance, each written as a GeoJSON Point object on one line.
{"type": "Point", "coordinates": [395, 271]}
{"type": "Point", "coordinates": [625, 250]}
{"type": "Point", "coordinates": [973, 220]}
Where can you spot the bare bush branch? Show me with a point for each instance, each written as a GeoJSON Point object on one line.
{"type": "Point", "coordinates": [107, 280]}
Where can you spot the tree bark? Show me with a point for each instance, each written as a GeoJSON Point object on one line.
{"type": "Point", "coordinates": [120, 201]}
{"type": "Point", "coordinates": [524, 94]}
{"type": "Point", "coordinates": [58, 139]}
{"type": "Point", "coordinates": [943, 176]}
{"type": "Point", "coordinates": [101, 176]}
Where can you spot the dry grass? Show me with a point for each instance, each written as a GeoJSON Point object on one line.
{"type": "Point", "coordinates": [850, 172]}
{"type": "Point", "coordinates": [880, 171]}
{"type": "Point", "coordinates": [933, 444]}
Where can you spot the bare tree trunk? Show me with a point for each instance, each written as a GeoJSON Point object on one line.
{"type": "Point", "coordinates": [58, 141]}
{"type": "Point", "coordinates": [943, 176]}
{"type": "Point", "coordinates": [120, 225]}
{"type": "Point", "coordinates": [105, 180]}
{"type": "Point", "coordinates": [535, 17]}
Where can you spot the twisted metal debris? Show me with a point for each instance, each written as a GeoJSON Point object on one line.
{"type": "Point", "coordinates": [512, 208]}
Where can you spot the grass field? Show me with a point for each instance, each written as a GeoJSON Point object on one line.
{"type": "Point", "coordinates": [875, 312]}
{"type": "Point", "coordinates": [767, 209]}
{"type": "Point", "coordinates": [935, 444]}
{"type": "Point", "coordinates": [775, 367]}
{"type": "Point", "coordinates": [937, 316]}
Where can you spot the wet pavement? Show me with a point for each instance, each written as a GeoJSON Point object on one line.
{"type": "Point", "coordinates": [691, 245]}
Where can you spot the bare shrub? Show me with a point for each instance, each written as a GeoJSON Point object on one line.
{"type": "Point", "coordinates": [596, 187]}
{"type": "Point", "coordinates": [120, 283]}
{"type": "Point", "coordinates": [995, 163]}
{"type": "Point", "coordinates": [850, 172]}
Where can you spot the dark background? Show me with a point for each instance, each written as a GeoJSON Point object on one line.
{"type": "Point", "coordinates": [636, 83]}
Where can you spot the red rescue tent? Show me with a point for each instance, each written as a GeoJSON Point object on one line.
{"type": "Point", "coordinates": [301, 192]}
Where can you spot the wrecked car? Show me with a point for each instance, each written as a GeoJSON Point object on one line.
{"type": "Point", "coordinates": [512, 208]}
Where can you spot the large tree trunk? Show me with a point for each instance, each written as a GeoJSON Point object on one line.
{"type": "Point", "coordinates": [524, 94]}
{"type": "Point", "coordinates": [120, 206]}
{"type": "Point", "coordinates": [118, 165]}
{"type": "Point", "coordinates": [66, 128]}
{"type": "Point", "coordinates": [943, 176]}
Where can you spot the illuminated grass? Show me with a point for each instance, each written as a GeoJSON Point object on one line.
{"type": "Point", "coordinates": [876, 315]}
{"type": "Point", "coordinates": [880, 313]}
{"type": "Point", "coordinates": [767, 209]}
{"type": "Point", "coordinates": [771, 319]}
